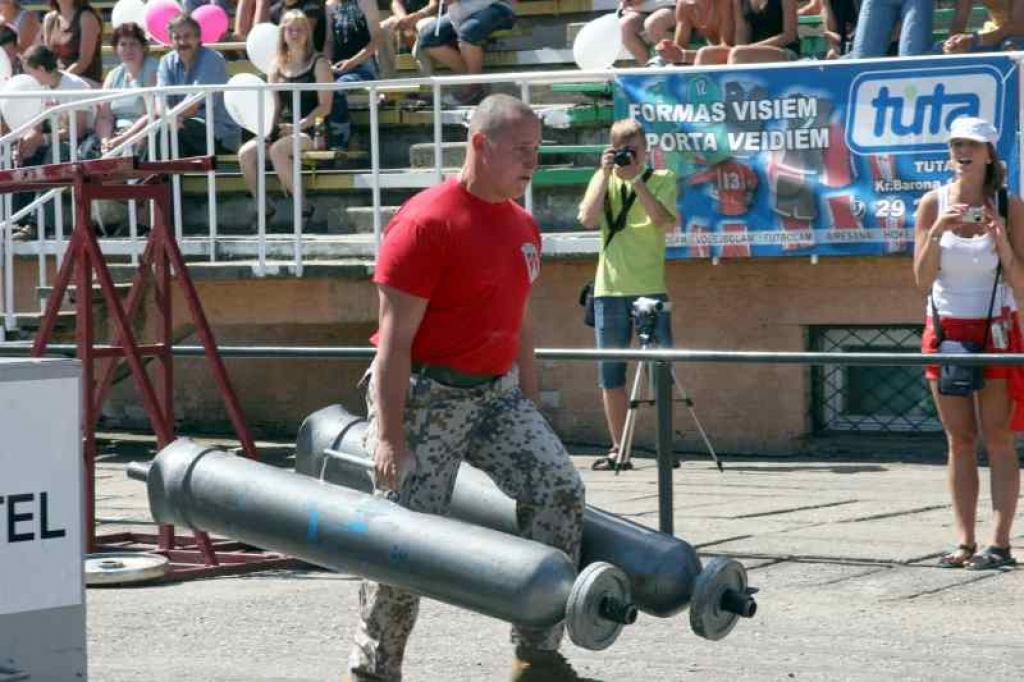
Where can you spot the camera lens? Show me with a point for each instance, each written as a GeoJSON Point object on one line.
{"type": "Point", "coordinates": [623, 156]}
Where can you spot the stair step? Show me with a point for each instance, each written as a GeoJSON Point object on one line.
{"type": "Point", "coordinates": [122, 289]}
{"type": "Point", "coordinates": [32, 321]}
{"type": "Point", "coordinates": [453, 154]}
{"type": "Point", "coordinates": [359, 219]}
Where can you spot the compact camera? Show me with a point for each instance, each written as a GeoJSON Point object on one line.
{"type": "Point", "coordinates": [974, 214]}
{"type": "Point", "coordinates": [624, 156]}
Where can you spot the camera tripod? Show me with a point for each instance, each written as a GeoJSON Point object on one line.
{"type": "Point", "coordinates": [646, 324]}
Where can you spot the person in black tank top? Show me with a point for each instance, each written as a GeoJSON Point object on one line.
{"type": "Point", "coordinates": [766, 31]}
{"type": "Point", "coordinates": [296, 62]}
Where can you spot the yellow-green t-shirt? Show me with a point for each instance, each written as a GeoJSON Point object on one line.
{"type": "Point", "coordinates": [634, 262]}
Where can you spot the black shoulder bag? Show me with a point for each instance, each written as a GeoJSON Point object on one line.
{"type": "Point", "coordinates": [615, 225]}
{"type": "Point", "coordinates": [963, 380]}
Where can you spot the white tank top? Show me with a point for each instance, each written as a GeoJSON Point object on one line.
{"type": "Point", "coordinates": [967, 270]}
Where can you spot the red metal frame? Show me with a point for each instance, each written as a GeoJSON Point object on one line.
{"type": "Point", "coordinates": [162, 260]}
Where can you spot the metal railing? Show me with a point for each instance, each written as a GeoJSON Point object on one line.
{"type": "Point", "coordinates": [659, 361]}
{"type": "Point", "coordinates": [160, 136]}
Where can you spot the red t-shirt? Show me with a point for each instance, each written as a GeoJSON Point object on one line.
{"type": "Point", "coordinates": [474, 262]}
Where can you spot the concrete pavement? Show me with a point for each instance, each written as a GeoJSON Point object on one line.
{"type": "Point", "coordinates": [843, 552]}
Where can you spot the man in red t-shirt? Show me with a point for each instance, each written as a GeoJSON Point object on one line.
{"type": "Point", "coordinates": [455, 376]}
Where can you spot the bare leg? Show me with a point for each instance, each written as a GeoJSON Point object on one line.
{"type": "Point", "coordinates": [631, 25]}
{"type": "Point", "coordinates": [447, 56]}
{"type": "Point", "coordinates": [472, 57]}
{"type": "Point", "coordinates": [659, 25]}
{"type": "Point", "coordinates": [1004, 467]}
{"type": "Point", "coordinates": [244, 18]}
{"type": "Point", "coordinates": [281, 157]}
{"type": "Point", "coordinates": [957, 415]}
{"type": "Point", "coordinates": [247, 160]}
{"type": "Point", "coordinates": [751, 54]}
{"type": "Point", "coordinates": [714, 54]}
{"type": "Point", "coordinates": [616, 404]}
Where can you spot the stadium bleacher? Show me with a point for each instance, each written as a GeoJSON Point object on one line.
{"type": "Point", "coordinates": [541, 40]}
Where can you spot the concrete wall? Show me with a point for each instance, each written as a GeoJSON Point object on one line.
{"type": "Point", "coordinates": [763, 304]}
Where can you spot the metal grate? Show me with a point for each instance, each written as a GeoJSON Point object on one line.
{"type": "Point", "coordinates": [865, 398]}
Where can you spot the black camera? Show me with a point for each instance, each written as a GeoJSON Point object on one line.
{"type": "Point", "coordinates": [624, 156]}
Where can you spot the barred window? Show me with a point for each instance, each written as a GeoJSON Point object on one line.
{"type": "Point", "coordinates": [876, 399]}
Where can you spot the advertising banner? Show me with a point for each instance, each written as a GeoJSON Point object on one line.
{"type": "Point", "coordinates": [826, 160]}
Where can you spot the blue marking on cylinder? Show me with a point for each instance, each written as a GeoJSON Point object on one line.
{"type": "Point", "coordinates": [314, 525]}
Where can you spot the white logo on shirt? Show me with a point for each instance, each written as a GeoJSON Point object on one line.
{"type": "Point", "coordinates": [532, 257]}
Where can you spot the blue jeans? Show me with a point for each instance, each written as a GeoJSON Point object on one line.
{"type": "Point", "coordinates": [614, 325]}
{"type": "Point", "coordinates": [473, 31]}
{"type": "Point", "coordinates": [877, 19]}
{"type": "Point", "coordinates": [339, 124]}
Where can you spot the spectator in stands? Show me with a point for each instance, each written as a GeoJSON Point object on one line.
{"type": "Point", "coordinates": [877, 20]}
{"type": "Point", "coordinates": [34, 147]}
{"type": "Point", "coordinates": [192, 64]}
{"type": "Point", "coordinates": [401, 30]}
{"type": "Point", "coordinates": [118, 120]}
{"type": "Point", "coordinates": [711, 19]}
{"type": "Point", "coordinates": [968, 256]}
{"type": "Point", "coordinates": [41, 63]}
{"type": "Point", "coordinates": [638, 20]}
{"type": "Point", "coordinates": [766, 31]}
{"type": "Point", "coordinates": [635, 207]}
{"type": "Point", "coordinates": [9, 44]}
{"type": "Point", "coordinates": [1003, 31]}
{"type": "Point", "coordinates": [248, 13]}
{"type": "Point", "coordinates": [24, 23]}
{"type": "Point", "coordinates": [351, 46]}
{"type": "Point", "coordinates": [456, 40]}
{"type": "Point", "coordinates": [314, 11]}
{"type": "Point", "coordinates": [72, 30]}
{"type": "Point", "coordinates": [840, 19]}
{"type": "Point", "coordinates": [296, 62]}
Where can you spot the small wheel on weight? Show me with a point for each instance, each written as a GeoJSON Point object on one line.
{"type": "Point", "coordinates": [599, 605]}
{"type": "Point", "coordinates": [720, 597]}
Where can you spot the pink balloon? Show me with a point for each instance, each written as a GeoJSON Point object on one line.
{"type": "Point", "coordinates": [213, 22]}
{"type": "Point", "coordinates": [158, 15]}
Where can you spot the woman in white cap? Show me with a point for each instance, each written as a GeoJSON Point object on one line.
{"type": "Point", "coordinates": [969, 258]}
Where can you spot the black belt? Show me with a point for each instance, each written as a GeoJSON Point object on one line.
{"type": "Point", "coordinates": [453, 377]}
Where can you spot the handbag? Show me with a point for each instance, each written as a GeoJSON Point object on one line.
{"type": "Point", "coordinates": [963, 380]}
{"type": "Point", "coordinates": [615, 225]}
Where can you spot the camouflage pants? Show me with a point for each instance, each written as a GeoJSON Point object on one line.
{"type": "Point", "coordinates": [498, 430]}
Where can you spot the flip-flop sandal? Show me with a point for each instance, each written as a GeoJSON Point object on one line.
{"type": "Point", "coordinates": [991, 557]}
{"type": "Point", "coordinates": [959, 557]}
{"type": "Point", "coordinates": [609, 463]}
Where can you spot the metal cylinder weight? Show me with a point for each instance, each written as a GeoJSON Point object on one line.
{"type": "Point", "coordinates": [513, 579]}
{"type": "Point", "coordinates": [662, 569]}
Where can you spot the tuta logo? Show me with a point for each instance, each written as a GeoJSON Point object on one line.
{"type": "Point", "coordinates": [899, 112]}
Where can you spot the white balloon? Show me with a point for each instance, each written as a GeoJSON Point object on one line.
{"type": "Point", "coordinates": [243, 105]}
{"type": "Point", "coordinates": [5, 66]}
{"type": "Point", "coordinates": [261, 46]}
{"type": "Point", "coordinates": [18, 112]}
{"type": "Point", "coordinates": [597, 45]}
{"type": "Point", "coordinates": [129, 11]}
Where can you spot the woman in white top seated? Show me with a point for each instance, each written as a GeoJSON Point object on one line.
{"type": "Point", "coordinates": [119, 119]}
{"type": "Point", "coordinates": [970, 260]}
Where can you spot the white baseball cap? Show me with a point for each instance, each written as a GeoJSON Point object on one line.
{"type": "Point", "coordinates": [973, 128]}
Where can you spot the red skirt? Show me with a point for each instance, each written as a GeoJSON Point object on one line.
{"type": "Point", "coordinates": [973, 330]}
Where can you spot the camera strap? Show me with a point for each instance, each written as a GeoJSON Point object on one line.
{"type": "Point", "coordinates": [940, 335]}
{"type": "Point", "coordinates": [616, 224]}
